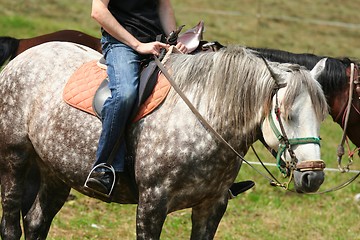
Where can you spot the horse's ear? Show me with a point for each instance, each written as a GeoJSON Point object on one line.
{"type": "Point", "coordinates": [318, 68]}
{"type": "Point", "coordinates": [273, 74]}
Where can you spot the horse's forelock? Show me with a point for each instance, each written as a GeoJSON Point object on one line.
{"type": "Point", "coordinates": [302, 79]}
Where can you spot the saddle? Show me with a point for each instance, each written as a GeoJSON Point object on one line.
{"type": "Point", "coordinates": [87, 89]}
{"type": "Point", "coordinates": [148, 79]}
{"type": "Point", "coordinates": [192, 37]}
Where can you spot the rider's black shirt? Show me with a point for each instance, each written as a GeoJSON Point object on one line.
{"type": "Point", "coordinates": [139, 17]}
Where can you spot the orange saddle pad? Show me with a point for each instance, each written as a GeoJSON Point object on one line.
{"type": "Point", "coordinates": [80, 89]}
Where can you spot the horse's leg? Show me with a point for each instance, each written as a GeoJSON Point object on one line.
{"type": "Point", "coordinates": [51, 197]}
{"type": "Point", "coordinates": [206, 218]}
{"type": "Point", "coordinates": [11, 202]}
{"type": "Point", "coordinates": [31, 187]}
{"type": "Point", "coordinates": [151, 214]}
{"type": "Point", "coordinates": [12, 171]}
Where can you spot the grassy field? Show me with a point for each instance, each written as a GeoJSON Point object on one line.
{"type": "Point", "coordinates": [320, 27]}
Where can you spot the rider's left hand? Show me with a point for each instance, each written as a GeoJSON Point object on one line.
{"type": "Point", "coordinates": [181, 47]}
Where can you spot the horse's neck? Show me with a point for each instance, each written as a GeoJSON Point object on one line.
{"type": "Point", "coordinates": [353, 128]}
{"type": "Point", "coordinates": [353, 134]}
{"type": "Point", "coordinates": [338, 102]}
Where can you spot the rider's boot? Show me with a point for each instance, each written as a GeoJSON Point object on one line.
{"type": "Point", "coordinates": [240, 187]}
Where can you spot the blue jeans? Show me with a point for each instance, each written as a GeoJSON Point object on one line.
{"type": "Point", "coordinates": [123, 67]}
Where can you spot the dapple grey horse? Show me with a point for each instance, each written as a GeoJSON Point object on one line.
{"type": "Point", "coordinates": [177, 163]}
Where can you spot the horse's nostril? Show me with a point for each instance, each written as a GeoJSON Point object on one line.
{"type": "Point", "coordinates": [309, 181]}
{"type": "Point", "coordinates": [305, 180]}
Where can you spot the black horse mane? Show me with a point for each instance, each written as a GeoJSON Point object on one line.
{"type": "Point", "coordinates": [332, 80]}
{"type": "Point", "coordinates": [8, 48]}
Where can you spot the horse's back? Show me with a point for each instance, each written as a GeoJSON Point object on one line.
{"type": "Point", "coordinates": [58, 59]}
{"type": "Point", "coordinates": [41, 73]}
{"type": "Point", "coordinates": [32, 107]}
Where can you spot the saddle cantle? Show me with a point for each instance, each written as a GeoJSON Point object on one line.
{"type": "Point", "coordinates": [192, 37]}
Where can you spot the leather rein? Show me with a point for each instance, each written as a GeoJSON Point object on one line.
{"type": "Point", "coordinates": [353, 82]}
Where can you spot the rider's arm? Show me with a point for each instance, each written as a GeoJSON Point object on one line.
{"type": "Point", "coordinates": [103, 16]}
{"type": "Point", "coordinates": [167, 17]}
{"type": "Point", "coordinates": [168, 22]}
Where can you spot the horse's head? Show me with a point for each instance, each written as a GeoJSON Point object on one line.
{"type": "Point", "coordinates": [293, 124]}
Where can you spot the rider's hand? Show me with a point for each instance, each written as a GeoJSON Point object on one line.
{"type": "Point", "coordinates": [181, 47]}
{"type": "Point", "coordinates": [151, 48]}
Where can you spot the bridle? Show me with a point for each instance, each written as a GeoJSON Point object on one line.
{"type": "Point", "coordinates": [352, 73]}
{"type": "Point", "coordinates": [288, 167]}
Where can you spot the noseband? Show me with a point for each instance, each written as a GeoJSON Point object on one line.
{"type": "Point", "coordinates": [286, 167]}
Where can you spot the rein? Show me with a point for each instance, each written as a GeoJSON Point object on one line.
{"type": "Point", "coordinates": [346, 114]}
{"type": "Point", "coordinates": [307, 165]}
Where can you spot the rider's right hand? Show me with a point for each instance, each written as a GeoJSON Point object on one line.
{"type": "Point", "coordinates": [151, 48]}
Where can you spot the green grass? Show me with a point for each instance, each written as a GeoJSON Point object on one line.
{"type": "Point", "coordinates": [264, 212]}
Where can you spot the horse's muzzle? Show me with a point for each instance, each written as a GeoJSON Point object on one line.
{"type": "Point", "coordinates": [309, 176]}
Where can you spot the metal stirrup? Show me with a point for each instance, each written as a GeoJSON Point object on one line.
{"type": "Point", "coordinates": [108, 167]}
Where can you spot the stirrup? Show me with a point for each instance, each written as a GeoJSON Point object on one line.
{"type": "Point", "coordinates": [112, 170]}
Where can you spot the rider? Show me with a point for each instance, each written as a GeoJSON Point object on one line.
{"type": "Point", "coordinates": [129, 30]}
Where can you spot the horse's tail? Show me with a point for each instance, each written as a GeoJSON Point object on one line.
{"type": "Point", "coordinates": [8, 48]}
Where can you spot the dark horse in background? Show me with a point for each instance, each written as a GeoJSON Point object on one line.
{"type": "Point", "coordinates": [334, 80]}
{"type": "Point", "coordinates": [10, 47]}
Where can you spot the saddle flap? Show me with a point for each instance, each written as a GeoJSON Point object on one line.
{"type": "Point", "coordinates": [80, 90]}
{"type": "Point", "coordinates": [101, 94]}
{"type": "Point", "coordinates": [148, 79]}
